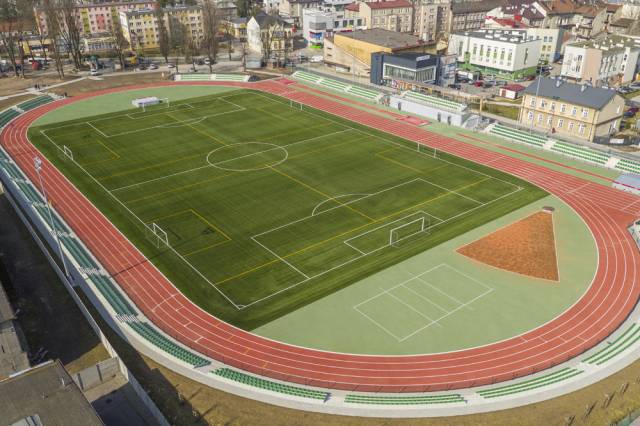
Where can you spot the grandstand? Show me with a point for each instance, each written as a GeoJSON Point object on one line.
{"type": "Point", "coordinates": [270, 385]}
{"type": "Point", "coordinates": [527, 385]}
{"type": "Point", "coordinates": [337, 85]}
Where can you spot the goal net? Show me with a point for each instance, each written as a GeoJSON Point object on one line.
{"type": "Point", "coordinates": [408, 230]}
{"type": "Point", "coordinates": [294, 104]}
{"type": "Point", "coordinates": [65, 153]}
{"type": "Point", "coordinates": [156, 235]}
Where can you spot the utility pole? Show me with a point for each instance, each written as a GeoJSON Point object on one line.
{"type": "Point", "coordinates": [37, 162]}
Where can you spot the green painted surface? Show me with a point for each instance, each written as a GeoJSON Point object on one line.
{"type": "Point", "coordinates": [121, 101]}
{"type": "Point", "coordinates": [515, 305]}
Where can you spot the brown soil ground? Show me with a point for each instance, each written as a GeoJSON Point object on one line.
{"type": "Point", "coordinates": [526, 247]}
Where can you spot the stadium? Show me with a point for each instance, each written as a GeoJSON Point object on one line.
{"type": "Point", "coordinates": [311, 251]}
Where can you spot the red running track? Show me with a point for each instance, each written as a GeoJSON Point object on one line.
{"type": "Point", "coordinates": [604, 306]}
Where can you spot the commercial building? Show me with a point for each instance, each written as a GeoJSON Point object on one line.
{"type": "Point", "coordinates": [316, 24]}
{"type": "Point", "coordinates": [508, 54]}
{"type": "Point", "coordinates": [96, 18]}
{"type": "Point", "coordinates": [612, 60]}
{"type": "Point", "coordinates": [574, 111]}
{"type": "Point", "coordinates": [395, 69]}
{"type": "Point", "coordinates": [351, 52]}
{"type": "Point", "coordinates": [392, 15]}
{"type": "Point", "coordinates": [294, 8]}
{"type": "Point", "coordinates": [140, 27]}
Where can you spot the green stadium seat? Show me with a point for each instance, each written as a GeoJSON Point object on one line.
{"type": "Point", "coordinates": [526, 385]}
{"type": "Point", "coordinates": [269, 385]}
{"type": "Point", "coordinates": [159, 340]}
{"type": "Point", "coordinates": [624, 341]}
{"type": "Point", "coordinates": [582, 153]}
{"type": "Point", "coordinates": [36, 102]}
{"type": "Point", "coordinates": [628, 166]}
{"type": "Point", "coordinates": [519, 135]}
{"type": "Point", "coordinates": [434, 101]}
{"type": "Point", "coordinates": [404, 400]}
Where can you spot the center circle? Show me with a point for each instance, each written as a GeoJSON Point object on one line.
{"type": "Point", "coordinates": [247, 156]}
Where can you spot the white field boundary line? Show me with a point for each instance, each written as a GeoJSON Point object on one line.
{"type": "Point", "coordinates": [240, 306]}
{"type": "Point", "coordinates": [153, 113]}
{"type": "Point", "coordinates": [420, 213]}
{"type": "Point", "coordinates": [226, 161]}
{"type": "Point", "coordinates": [360, 257]}
{"type": "Point", "coordinates": [172, 109]}
{"type": "Point", "coordinates": [101, 186]}
{"type": "Point", "coordinates": [419, 278]}
{"type": "Point", "coordinates": [392, 142]}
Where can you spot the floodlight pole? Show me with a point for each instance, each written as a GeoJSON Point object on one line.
{"type": "Point", "coordinates": [37, 162]}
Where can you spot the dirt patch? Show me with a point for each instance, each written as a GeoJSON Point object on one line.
{"type": "Point", "coordinates": [106, 82]}
{"type": "Point", "coordinates": [526, 247]}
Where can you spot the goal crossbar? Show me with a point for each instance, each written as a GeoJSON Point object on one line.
{"type": "Point", "coordinates": [414, 227]}
{"type": "Point", "coordinates": [157, 234]}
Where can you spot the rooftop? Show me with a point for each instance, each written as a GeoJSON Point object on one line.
{"type": "Point", "coordinates": [506, 22]}
{"type": "Point", "coordinates": [459, 7]}
{"type": "Point", "coordinates": [611, 42]}
{"type": "Point", "coordinates": [508, 35]}
{"type": "Point", "coordinates": [622, 22]}
{"type": "Point", "coordinates": [559, 7]}
{"type": "Point", "coordinates": [385, 38]}
{"type": "Point", "coordinates": [578, 94]}
{"type": "Point", "coordinates": [45, 392]}
{"type": "Point", "coordinates": [388, 4]}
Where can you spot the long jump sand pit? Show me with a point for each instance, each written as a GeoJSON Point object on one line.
{"type": "Point", "coordinates": [525, 247]}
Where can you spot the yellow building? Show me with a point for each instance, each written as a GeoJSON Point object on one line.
{"type": "Point", "coordinates": [574, 111]}
{"type": "Point", "coordinates": [393, 15]}
{"type": "Point", "coordinates": [351, 51]}
{"type": "Point", "coordinates": [140, 27]}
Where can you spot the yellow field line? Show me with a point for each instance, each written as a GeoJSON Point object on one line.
{"type": "Point", "coordinates": [399, 163]}
{"type": "Point", "coordinates": [200, 250]}
{"type": "Point", "coordinates": [315, 151]}
{"type": "Point", "coordinates": [319, 192]}
{"type": "Point", "coordinates": [115, 154]}
{"type": "Point", "coordinates": [357, 228]}
{"type": "Point", "coordinates": [191, 185]}
{"type": "Point", "coordinates": [159, 218]}
{"type": "Point", "coordinates": [202, 132]}
{"type": "Point", "coordinates": [206, 222]}
{"type": "Point", "coordinates": [141, 169]}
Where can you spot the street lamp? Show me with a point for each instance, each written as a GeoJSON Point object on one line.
{"type": "Point", "coordinates": [37, 162]}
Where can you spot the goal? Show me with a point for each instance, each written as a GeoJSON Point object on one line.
{"type": "Point", "coordinates": [294, 104]}
{"type": "Point", "coordinates": [156, 235]}
{"type": "Point", "coordinates": [65, 153]}
{"type": "Point", "coordinates": [408, 230]}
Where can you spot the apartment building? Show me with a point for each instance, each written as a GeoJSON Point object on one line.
{"type": "Point", "coordinates": [392, 15]}
{"type": "Point", "coordinates": [508, 54]}
{"type": "Point", "coordinates": [469, 15]}
{"type": "Point", "coordinates": [612, 60]}
{"type": "Point", "coordinates": [294, 8]}
{"type": "Point", "coordinates": [270, 36]}
{"type": "Point", "coordinates": [575, 111]}
{"type": "Point", "coordinates": [140, 27]}
{"type": "Point", "coordinates": [430, 19]}
{"type": "Point", "coordinates": [96, 18]}
{"type": "Point", "coordinates": [550, 42]}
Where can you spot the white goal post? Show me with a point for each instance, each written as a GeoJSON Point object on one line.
{"type": "Point", "coordinates": [408, 230]}
{"type": "Point", "coordinates": [295, 104]}
{"type": "Point", "coordinates": [156, 234]}
{"type": "Point", "coordinates": [66, 152]}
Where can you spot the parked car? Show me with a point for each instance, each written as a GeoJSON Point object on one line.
{"type": "Point", "coordinates": [624, 89]}
{"type": "Point", "coordinates": [635, 85]}
{"type": "Point", "coordinates": [631, 112]}
{"type": "Point", "coordinates": [501, 83]}
{"type": "Point", "coordinates": [153, 67]}
{"type": "Point", "coordinates": [479, 83]}
{"type": "Point", "coordinates": [170, 65]}
{"type": "Point", "coordinates": [530, 78]}
{"type": "Point", "coordinates": [456, 86]}
{"type": "Point", "coordinates": [94, 72]}
{"type": "Point", "coordinates": [317, 58]}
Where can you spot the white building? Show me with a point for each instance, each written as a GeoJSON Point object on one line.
{"type": "Point", "coordinates": [316, 24]}
{"type": "Point", "coordinates": [550, 42]}
{"type": "Point", "coordinates": [612, 60]}
{"type": "Point", "coordinates": [508, 54]}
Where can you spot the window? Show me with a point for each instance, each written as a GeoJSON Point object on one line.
{"type": "Point", "coordinates": [574, 111]}
{"type": "Point", "coordinates": [571, 126]}
{"type": "Point", "coordinates": [532, 102]}
{"type": "Point", "coordinates": [549, 121]}
{"type": "Point", "coordinates": [560, 123]}
{"type": "Point", "coordinates": [581, 128]}
{"type": "Point", "coordinates": [553, 106]}
{"type": "Point", "coordinates": [543, 103]}
{"type": "Point", "coordinates": [540, 118]}
{"type": "Point", "coordinates": [585, 113]}
{"type": "Point", "coordinates": [563, 107]}
{"type": "Point", "coordinates": [530, 115]}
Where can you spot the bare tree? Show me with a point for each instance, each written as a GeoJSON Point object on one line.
{"type": "Point", "coordinates": [70, 30]}
{"type": "Point", "coordinates": [53, 34]}
{"type": "Point", "coordinates": [266, 39]}
{"type": "Point", "coordinates": [120, 42]}
{"type": "Point", "coordinates": [10, 35]}
{"type": "Point", "coordinates": [164, 42]}
{"type": "Point", "coordinates": [229, 38]}
{"type": "Point", "coordinates": [177, 38]}
{"type": "Point", "coordinates": [211, 24]}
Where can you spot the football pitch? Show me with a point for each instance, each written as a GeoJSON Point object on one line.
{"type": "Point", "coordinates": [255, 206]}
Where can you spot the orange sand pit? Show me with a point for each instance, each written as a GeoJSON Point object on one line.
{"type": "Point", "coordinates": [526, 247]}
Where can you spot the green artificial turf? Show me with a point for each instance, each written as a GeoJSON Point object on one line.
{"type": "Point", "coordinates": [269, 206]}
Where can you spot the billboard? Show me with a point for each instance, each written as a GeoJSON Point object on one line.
{"type": "Point", "coordinates": [446, 70]}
